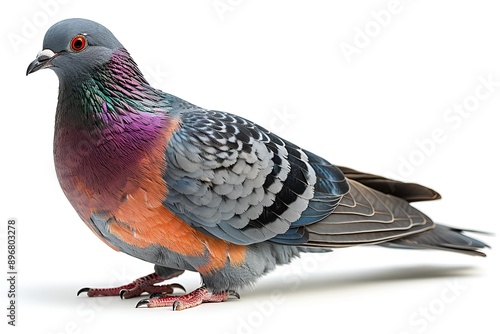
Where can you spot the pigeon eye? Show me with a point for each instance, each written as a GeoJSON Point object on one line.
{"type": "Point", "coordinates": [78, 43]}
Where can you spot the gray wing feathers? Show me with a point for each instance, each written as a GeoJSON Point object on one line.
{"type": "Point", "coordinates": [367, 216]}
{"type": "Point", "coordinates": [215, 185]}
{"type": "Point", "coordinates": [223, 172]}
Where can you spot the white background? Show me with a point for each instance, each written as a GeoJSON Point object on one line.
{"type": "Point", "coordinates": [280, 64]}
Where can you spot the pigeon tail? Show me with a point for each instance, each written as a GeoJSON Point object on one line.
{"type": "Point", "coordinates": [442, 237]}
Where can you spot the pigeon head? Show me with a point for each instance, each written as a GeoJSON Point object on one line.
{"type": "Point", "coordinates": [73, 48]}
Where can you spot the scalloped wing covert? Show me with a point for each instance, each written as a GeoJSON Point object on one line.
{"type": "Point", "coordinates": [243, 184]}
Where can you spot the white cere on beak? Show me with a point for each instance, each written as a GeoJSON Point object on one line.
{"type": "Point", "coordinates": [45, 54]}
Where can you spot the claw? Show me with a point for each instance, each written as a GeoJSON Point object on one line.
{"type": "Point", "coordinates": [142, 302]}
{"type": "Point", "coordinates": [234, 294]}
{"type": "Point", "coordinates": [82, 290]}
{"type": "Point", "coordinates": [175, 305]}
{"type": "Point", "coordinates": [178, 286]}
{"type": "Point", "coordinates": [122, 293]}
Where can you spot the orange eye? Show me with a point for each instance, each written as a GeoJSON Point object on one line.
{"type": "Point", "coordinates": [78, 43]}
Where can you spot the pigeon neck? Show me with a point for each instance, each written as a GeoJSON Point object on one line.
{"type": "Point", "coordinates": [115, 91]}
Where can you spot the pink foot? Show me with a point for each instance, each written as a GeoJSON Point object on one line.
{"type": "Point", "coordinates": [192, 299]}
{"type": "Point", "coordinates": [134, 289]}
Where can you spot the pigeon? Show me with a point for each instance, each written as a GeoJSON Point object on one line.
{"type": "Point", "coordinates": [186, 188]}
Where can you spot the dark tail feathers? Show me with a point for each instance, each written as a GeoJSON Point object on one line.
{"type": "Point", "coordinates": [441, 237]}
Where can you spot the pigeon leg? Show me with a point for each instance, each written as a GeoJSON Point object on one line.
{"type": "Point", "coordinates": [192, 299]}
{"type": "Point", "coordinates": [136, 288]}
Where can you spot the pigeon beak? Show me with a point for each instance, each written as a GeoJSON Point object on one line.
{"type": "Point", "coordinates": [42, 61]}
